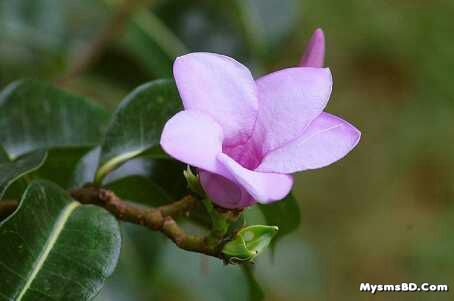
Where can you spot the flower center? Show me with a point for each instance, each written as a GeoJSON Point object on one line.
{"type": "Point", "coordinates": [247, 155]}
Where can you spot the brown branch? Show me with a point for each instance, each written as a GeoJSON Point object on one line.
{"type": "Point", "coordinates": [7, 207]}
{"type": "Point", "coordinates": [157, 219]}
{"type": "Point", "coordinates": [186, 204]}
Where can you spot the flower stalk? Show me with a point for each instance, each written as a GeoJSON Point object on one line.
{"type": "Point", "coordinates": [221, 242]}
{"type": "Point", "coordinates": [157, 219]}
{"type": "Point", "coordinates": [221, 221]}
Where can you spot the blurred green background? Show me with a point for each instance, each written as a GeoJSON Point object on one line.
{"type": "Point", "coordinates": [383, 215]}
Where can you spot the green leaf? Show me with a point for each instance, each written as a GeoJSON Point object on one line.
{"type": "Point", "coordinates": [15, 189]}
{"type": "Point", "coordinates": [54, 248]}
{"type": "Point", "coordinates": [137, 263]}
{"type": "Point", "coordinates": [4, 157]}
{"type": "Point", "coordinates": [255, 290]}
{"type": "Point", "coordinates": [285, 214]}
{"type": "Point", "coordinates": [144, 179]}
{"type": "Point", "coordinates": [249, 242]}
{"type": "Point", "coordinates": [149, 40]}
{"type": "Point", "coordinates": [58, 167]}
{"type": "Point", "coordinates": [10, 171]}
{"type": "Point", "coordinates": [137, 124]}
{"type": "Point", "coordinates": [167, 174]}
{"type": "Point", "coordinates": [85, 169]}
{"type": "Point", "coordinates": [60, 164]}
{"type": "Point", "coordinates": [140, 190]}
{"type": "Point", "coordinates": [35, 115]}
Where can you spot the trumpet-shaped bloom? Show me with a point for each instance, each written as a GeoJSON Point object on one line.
{"type": "Point", "coordinates": [247, 137]}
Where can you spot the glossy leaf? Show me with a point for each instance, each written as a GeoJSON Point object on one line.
{"type": "Point", "coordinates": [255, 291]}
{"type": "Point", "coordinates": [85, 169]}
{"type": "Point", "coordinates": [140, 190]}
{"type": "Point", "coordinates": [16, 188]}
{"type": "Point", "coordinates": [10, 171]}
{"type": "Point", "coordinates": [145, 180]}
{"type": "Point", "coordinates": [167, 174]}
{"type": "Point", "coordinates": [137, 263]}
{"type": "Point", "coordinates": [139, 179]}
{"type": "Point", "coordinates": [137, 124]}
{"type": "Point", "coordinates": [285, 214]}
{"type": "Point", "coordinates": [4, 157]}
{"type": "Point", "coordinates": [54, 248]}
{"type": "Point", "coordinates": [60, 164]}
{"type": "Point", "coordinates": [35, 115]}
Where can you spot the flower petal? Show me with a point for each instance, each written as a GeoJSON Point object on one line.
{"type": "Point", "coordinates": [224, 192]}
{"type": "Point", "coordinates": [326, 140]}
{"type": "Point", "coordinates": [290, 100]}
{"type": "Point", "coordinates": [263, 187]}
{"type": "Point", "coordinates": [314, 56]}
{"type": "Point", "coordinates": [194, 138]}
{"type": "Point", "coordinates": [221, 87]}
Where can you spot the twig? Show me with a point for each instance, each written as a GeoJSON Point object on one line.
{"type": "Point", "coordinates": [7, 208]}
{"type": "Point", "coordinates": [157, 219]}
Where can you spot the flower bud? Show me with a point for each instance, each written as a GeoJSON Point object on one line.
{"type": "Point", "coordinates": [248, 243]}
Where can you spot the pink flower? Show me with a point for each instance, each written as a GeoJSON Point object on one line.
{"type": "Point", "coordinates": [248, 137]}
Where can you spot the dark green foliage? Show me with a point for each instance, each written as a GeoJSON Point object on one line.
{"type": "Point", "coordinates": [10, 171]}
{"type": "Point", "coordinates": [54, 248]}
{"type": "Point", "coordinates": [35, 115]}
{"type": "Point", "coordinates": [137, 123]}
{"type": "Point", "coordinates": [285, 214]}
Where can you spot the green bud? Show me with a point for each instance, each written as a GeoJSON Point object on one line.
{"type": "Point", "coordinates": [193, 182]}
{"type": "Point", "coordinates": [248, 243]}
